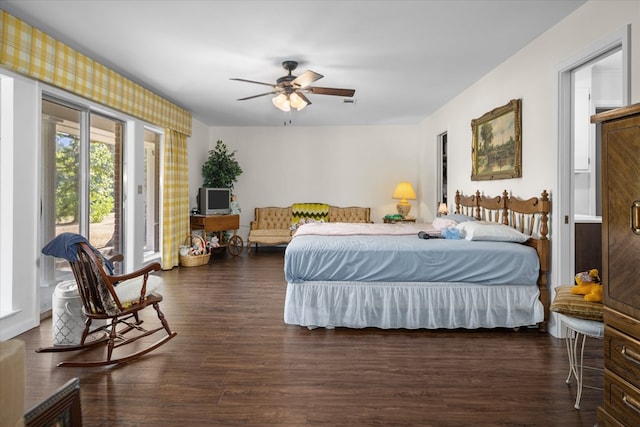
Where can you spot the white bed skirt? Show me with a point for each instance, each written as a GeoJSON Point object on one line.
{"type": "Point", "coordinates": [411, 305]}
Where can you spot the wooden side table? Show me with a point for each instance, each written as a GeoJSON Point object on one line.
{"type": "Point", "coordinates": [219, 224]}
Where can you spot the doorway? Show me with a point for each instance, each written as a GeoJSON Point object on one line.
{"type": "Point", "coordinates": [614, 48]}
{"type": "Point", "coordinates": [441, 192]}
{"type": "Point", "coordinates": [597, 87]}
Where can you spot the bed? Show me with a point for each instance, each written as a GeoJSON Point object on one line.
{"type": "Point", "coordinates": [385, 276]}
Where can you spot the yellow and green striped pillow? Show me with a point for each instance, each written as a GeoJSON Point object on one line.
{"type": "Point", "coordinates": [309, 211]}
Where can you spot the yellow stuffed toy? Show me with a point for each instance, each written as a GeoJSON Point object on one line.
{"type": "Point", "coordinates": [588, 284]}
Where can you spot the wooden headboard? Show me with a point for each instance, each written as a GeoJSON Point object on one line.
{"type": "Point", "coordinates": [529, 216]}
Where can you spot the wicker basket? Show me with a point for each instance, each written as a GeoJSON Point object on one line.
{"type": "Point", "coordinates": [194, 260]}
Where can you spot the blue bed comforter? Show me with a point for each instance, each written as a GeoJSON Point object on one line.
{"type": "Point", "coordinates": [406, 258]}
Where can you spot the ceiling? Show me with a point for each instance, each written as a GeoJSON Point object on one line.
{"type": "Point", "coordinates": [405, 59]}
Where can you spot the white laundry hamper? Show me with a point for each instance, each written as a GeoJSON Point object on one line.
{"type": "Point", "coordinates": [68, 319]}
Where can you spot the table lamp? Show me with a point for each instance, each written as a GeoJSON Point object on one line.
{"type": "Point", "coordinates": [404, 191]}
{"type": "Point", "coordinates": [442, 209]}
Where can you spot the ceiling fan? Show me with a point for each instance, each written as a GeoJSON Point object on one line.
{"type": "Point", "coordinates": [290, 89]}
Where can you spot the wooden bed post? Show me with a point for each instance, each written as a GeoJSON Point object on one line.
{"type": "Point", "coordinates": [505, 207]}
{"type": "Point", "coordinates": [543, 252]}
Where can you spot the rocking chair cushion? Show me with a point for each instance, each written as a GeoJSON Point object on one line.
{"type": "Point", "coordinates": [128, 291]}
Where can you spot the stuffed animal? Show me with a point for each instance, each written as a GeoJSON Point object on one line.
{"type": "Point", "coordinates": [588, 284]}
{"type": "Point", "coordinates": [596, 293]}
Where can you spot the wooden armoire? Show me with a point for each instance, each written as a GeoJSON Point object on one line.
{"type": "Point", "coordinates": [620, 130]}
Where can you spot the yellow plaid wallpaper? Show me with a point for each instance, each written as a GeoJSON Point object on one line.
{"type": "Point", "coordinates": [29, 51]}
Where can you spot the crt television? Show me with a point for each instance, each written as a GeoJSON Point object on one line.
{"type": "Point", "coordinates": [214, 201]}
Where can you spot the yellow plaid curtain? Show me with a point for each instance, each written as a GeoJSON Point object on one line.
{"type": "Point", "coordinates": [175, 198]}
{"type": "Point", "coordinates": [31, 52]}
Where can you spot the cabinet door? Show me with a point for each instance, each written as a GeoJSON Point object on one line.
{"type": "Point", "coordinates": [582, 130]}
{"type": "Point", "coordinates": [621, 188]}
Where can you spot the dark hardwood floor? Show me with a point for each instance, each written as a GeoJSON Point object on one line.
{"type": "Point", "coordinates": [235, 362]}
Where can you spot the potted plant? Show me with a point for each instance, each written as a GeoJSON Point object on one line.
{"type": "Point", "coordinates": [221, 170]}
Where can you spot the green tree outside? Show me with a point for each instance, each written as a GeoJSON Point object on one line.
{"type": "Point", "coordinates": [101, 180]}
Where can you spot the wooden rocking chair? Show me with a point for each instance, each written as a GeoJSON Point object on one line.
{"type": "Point", "coordinates": [115, 300]}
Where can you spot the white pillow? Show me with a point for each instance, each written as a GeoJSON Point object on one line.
{"type": "Point", "coordinates": [458, 218]}
{"type": "Point", "coordinates": [441, 223]}
{"type": "Point", "coordinates": [490, 231]}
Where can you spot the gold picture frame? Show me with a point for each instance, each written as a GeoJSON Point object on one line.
{"type": "Point", "coordinates": [496, 151]}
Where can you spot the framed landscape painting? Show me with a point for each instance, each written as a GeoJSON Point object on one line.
{"type": "Point", "coordinates": [496, 151]}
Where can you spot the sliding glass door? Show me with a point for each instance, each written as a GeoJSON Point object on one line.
{"type": "Point", "coordinates": [82, 180]}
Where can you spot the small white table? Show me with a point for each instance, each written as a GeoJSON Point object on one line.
{"type": "Point", "coordinates": [579, 329]}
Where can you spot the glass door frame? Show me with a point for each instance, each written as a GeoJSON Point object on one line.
{"type": "Point", "coordinates": [49, 275]}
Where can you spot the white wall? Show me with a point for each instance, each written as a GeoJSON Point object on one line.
{"type": "Point", "coordinates": [342, 166]}
{"type": "Point", "coordinates": [528, 75]}
{"type": "Point", "coordinates": [197, 152]}
{"type": "Point", "coordinates": [20, 246]}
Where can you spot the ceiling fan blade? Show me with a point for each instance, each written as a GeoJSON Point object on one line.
{"type": "Point", "coordinates": [306, 78]}
{"type": "Point", "coordinates": [257, 96]}
{"type": "Point", "coordinates": [331, 91]}
{"type": "Point", "coordinates": [304, 98]}
{"type": "Point", "coordinates": [253, 81]}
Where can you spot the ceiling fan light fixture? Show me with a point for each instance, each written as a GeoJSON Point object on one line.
{"type": "Point", "coordinates": [290, 90]}
{"type": "Point", "coordinates": [297, 102]}
{"type": "Point", "coordinates": [282, 102]}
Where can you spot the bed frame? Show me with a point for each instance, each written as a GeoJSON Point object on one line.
{"type": "Point", "coordinates": [319, 303]}
{"type": "Point", "coordinates": [530, 216]}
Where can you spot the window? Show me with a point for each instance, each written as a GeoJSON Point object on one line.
{"type": "Point", "coordinates": [151, 192]}
{"type": "Point", "coordinates": [81, 180]}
